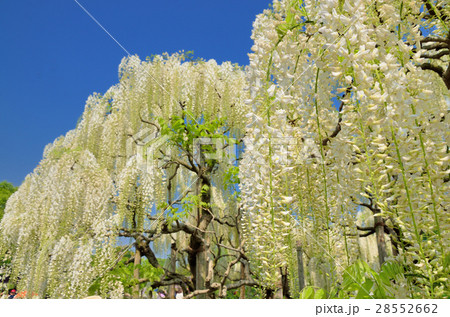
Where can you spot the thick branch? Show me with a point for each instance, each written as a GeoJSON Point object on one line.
{"type": "Point", "coordinates": [178, 161]}
{"type": "Point", "coordinates": [367, 234]}
{"type": "Point", "coordinates": [435, 46]}
{"type": "Point", "coordinates": [437, 55]}
{"type": "Point", "coordinates": [165, 229]}
{"type": "Point", "coordinates": [369, 231]}
{"type": "Point", "coordinates": [215, 286]}
{"type": "Point", "coordinates": [435, 40]}
{"type": "Point", "coordinates": [211, 289]}
{"type": "Point", "coordinates": [365, 228]}
{"type": "Point", "coordinates": [146, 251]}
{"type": "Point", "coordinates": [437, 69]}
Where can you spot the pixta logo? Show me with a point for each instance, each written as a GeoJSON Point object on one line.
{"type": "Point", "coordinates": [145, 147]}
{"type": "Point", "coordinates": [149, 150]}
{"type": "Point", "coordinates": [218, 150]}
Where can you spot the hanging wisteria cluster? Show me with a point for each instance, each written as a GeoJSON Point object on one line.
{"type": "Point", "coordinates": [347, 113]}
{"type": "Point", "coordinates": [342, 110]}
{"type": "Point", "coordinates": [62, 224]}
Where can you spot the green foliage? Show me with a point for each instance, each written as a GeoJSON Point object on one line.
{"type": "Point", "coordinates": [183, 131]}
{"type": "Point", "coordinates": [312, 293]}
{"type": "Point", "coordinates": [231, 177]}
{"type": "Point", "coordinates": [124, 272]}
{"type": "Point", "coordinates": [292, 21]}
{"type": "Point", "coordinates": [178, 213]}
{"type": "Point", "coordinates": [6, 190]}
{"type": "Point", "coordinates": [251, 292]}
{"type": "Point", "coordinates": [181, 127]}
{"type": "Point", "coordinates": [186, 207]}
{"type": "Point", "coordinates": [360, 281]}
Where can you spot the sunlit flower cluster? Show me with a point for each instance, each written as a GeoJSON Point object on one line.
{"type": "Point", "coordinates": [62, 224]}
{"type": "Point", "coordinates": [364, 120]}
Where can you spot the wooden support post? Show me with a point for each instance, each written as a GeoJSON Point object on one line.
{"type": "Point", "coordinates": [173, 267]}
{"type": "Point", "coordinates": [381, 242]}
{"type": "Point", "coordinates": [242, 293]}
{"type": "Point", "coordinates": [301, 273]}
{"type": "Point", "coordinates": [137, 261]}
{"type": "Point", "coordinates": [201, 269]}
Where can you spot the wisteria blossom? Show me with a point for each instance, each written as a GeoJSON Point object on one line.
{"type": "Point", "coordinates": [354, 89]}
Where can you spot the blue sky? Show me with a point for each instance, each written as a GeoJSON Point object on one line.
{"type": "Point", "coordinates": [54, 56]}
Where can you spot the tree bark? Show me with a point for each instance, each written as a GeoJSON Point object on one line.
{"type": "Point", "coordinates": [301, 273]}
{"type": "Point", "coordinates": [242, 292]}
{"type": "Point", "coordinates": [201, 272]}
{"type": "Point", "coordinates": [137, 261]}
{"type": "Point", "coordinates": [173, 263]}
{"type": "Point", "coordinates": [285, 282]}
{"type": "Point", "coordinates": [198, 257]}
{"type": "Point", "coordinates": [381, 242]}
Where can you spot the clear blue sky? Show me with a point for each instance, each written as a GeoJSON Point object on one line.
{"type": "Point", "coordinates": [53, 56]}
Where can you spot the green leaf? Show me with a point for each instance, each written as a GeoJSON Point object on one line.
{"type": "Point", "coordinates": [364, 291]}
{"type": "Point", "coordinates": [341, 5]}
{"type": "Point", "coordinates": [205, 188]}
{"type": "Point", "coordinates": [282, 29]}
{"type": "Point", "coordinates": [320, 294]}
{"type": "Point", "coordinates": [307, 293]}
